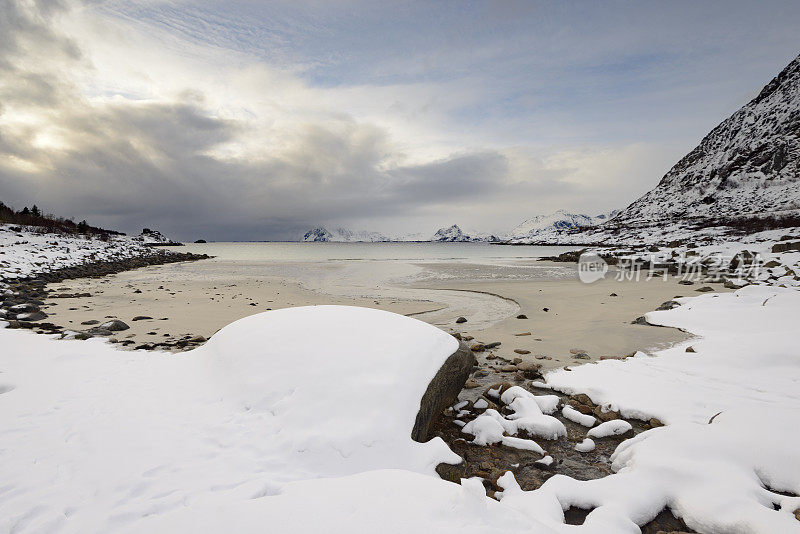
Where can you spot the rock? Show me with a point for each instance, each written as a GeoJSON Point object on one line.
{"type": "Point", "coordinates": [200, 241]}
{"type": "Point", "coordinates": [100, 331]}
{"type": "Point", "coordinates": [605, 416]}
{"type": "Point", "coordinates": [784, 247]}
{"type": "Point", "coordinates": [522, 351]}
{"type": "Point", "coordinates": [461, 320]}
{"type": "Point", "coordinates": [198, 339]}
{"type": "Point", "coordinates": [452, 473]}
{"type": "Point", "coordinates": [523, 334]}
{"type": "Point", "coordinates": [613, 295]}
{"type": "Point", "coordinates": [668, 305]}
{"type": "Point", "coordinates": [508, 368]}
{"type": "Point", "coordinates": [545, 309]}
{"type": "Point", "coordinates": [686, 282]}
{"type": "Point", "coordinates": [522, 316]}
{"type": "Point", "coordinates": [797, 514]}
{"type": "Point", "coordinates": [478, 347]}
{"type": "Point", "coordinates": [655, 423]}
{"type": "Point", "coordinates": [582, 356]}
{"type": "Point", "coordinates": [704, 289]}
{"type": "Point", "coordinates": [32, 317]}
{"type": "Point", "coordinates": [471, 383]}
{"type": "Point", "coordinates": [141, 318]}
{"type": "Point", "coordinates": [442, 390]}
{"type": "Point", "coordinates": [492, 345]}
{"type": "Point", "coordinates": [499, 388]}
{"type": "Point", "coordinates": [640, 320]}
{"type": "Point", "coordinates": [28, 307]}
{"type": "Point", "coordinates": [530, 370]}
{"type": "Point", "coordinates": [90, 322]}
{"type": "Point", "coordinates": [577, 351]}
{"type": "Point", "coordinates": [480, 373]}
{"type": "Point", "coordinates": [115, 325]}
{"type": "Point", "coordinates": [690, 349]}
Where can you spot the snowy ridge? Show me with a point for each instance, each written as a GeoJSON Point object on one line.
{"type": "Point", "coordinates": [748, 165]}
{"type": "Point", "coordinates": [342, 235]}
{"type": "Point", "coordinates": [25, 251]}
{"type": "Point", "coordinates": [454, 234]}
{"type": "Point", "coordinates": [553, 225]}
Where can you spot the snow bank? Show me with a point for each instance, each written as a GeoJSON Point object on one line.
{"type": "Point", "coordinates": [720, 477]}
{"type": "Point", "coordinates": [96, 439]}
{"type": "Point", "coordinates": [26, 252]}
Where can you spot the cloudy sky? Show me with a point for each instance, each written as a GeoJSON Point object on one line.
{"type": "Point", "coordinates": [257, 120]}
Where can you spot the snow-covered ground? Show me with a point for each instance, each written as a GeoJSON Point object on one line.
{"type": "Point", "coordinates": [299, 420]}
{"type": "Point", "coordinates": [27, 252]}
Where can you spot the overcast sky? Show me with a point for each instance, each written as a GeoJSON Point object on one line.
{"type": "Point", "coordinates": [258, 120]}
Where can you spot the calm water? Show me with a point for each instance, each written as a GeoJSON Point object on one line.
{"type": "Point", "coordinates": [406, 252]}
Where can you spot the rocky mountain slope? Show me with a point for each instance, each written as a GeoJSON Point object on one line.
{"type": "Point", "coordinates": [747, 166]}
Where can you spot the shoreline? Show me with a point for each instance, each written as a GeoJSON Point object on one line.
{"type": "Point", "coordinates": [176, 307]}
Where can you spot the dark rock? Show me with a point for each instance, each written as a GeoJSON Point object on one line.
{"type": "Point", "coordinates": [545, 309]}
{"type": "Point", "coordinates": [31, 317]}
{"type": "Point", "coordinates": [522, 316]}
{"type": "Point", "coordinates": [90, 322]}
{"type": "Point", "coordinates": [668, 305]}
{"type": "Point", "coordinates": [704, 289]}
{"type": "Point", "coordinates": [141, 318]}
{"type": "Point", "coordinates": [461, 320]}
{"type": "Point", "coordinates": [478, 347]}
{"type": "Point", "coordinates": [522, 351]}
{"type": "Point", "coordinates": [686, 282]}
{"type": "Point", "coordinates": [492, 345]}
{"type": "Point", "coordinates": [452, 473]}
{"type": "Point", "coordinates": [200, 241]}
{"type": "Point", "coordinates": [442, 390]}
{"type": "Point", "coordinates": [115, 325]}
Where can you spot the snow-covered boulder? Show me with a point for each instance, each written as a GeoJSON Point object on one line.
{"type": "Point", "coordinates": [120, 438]}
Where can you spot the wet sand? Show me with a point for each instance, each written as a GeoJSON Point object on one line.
{"type": "Point", "coordinates": [199, 298]}
{"type": "Point", "coordinates": [579, 317]}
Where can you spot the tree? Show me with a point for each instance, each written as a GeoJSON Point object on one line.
{"type": "Point", "coordinates": [25, 211]}
{"type": "Point", "coordinates": [36, 211]}
{"type": "Point", "coordinates": [83, 226]}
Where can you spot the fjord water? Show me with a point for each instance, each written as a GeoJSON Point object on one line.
{"type": "Point", "coordinates": [403, 251]}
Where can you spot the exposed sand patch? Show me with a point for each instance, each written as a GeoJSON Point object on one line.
{"type": "Point", "coordinates": [200, 298]}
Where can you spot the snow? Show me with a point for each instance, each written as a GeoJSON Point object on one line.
{"type": "Point", "coordinates": [550, 227]}
{"type": "Point", "coordinates": [97, 439]}
{"type": "Point", "coordinates": [609, 428]}
{"type": "Point", "coordinates": [342, 235]}
{"type": "Point", "coordinates": [311, 409]}
{"type": "Point", "coordinates": [577, 417]}
{"type": "Point", "coordinates": [456, 234]}
{"type": "Point", "coordinates": [27, 252]}
{"type": "Point", "coordinates": [587, 445]}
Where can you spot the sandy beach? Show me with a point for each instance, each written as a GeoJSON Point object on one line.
{"type": "Point", "coordinates": [169, 302]}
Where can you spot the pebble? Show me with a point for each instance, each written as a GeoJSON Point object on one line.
{"type": "Point", "coordinates": [522, 351]}
{"type": "Point", "coordinates": [523, 334]}
{"type": "Point", "coordinates": [461, 320]}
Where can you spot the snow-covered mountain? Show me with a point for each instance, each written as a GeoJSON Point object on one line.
{"type": "Point", "coordinates": [556, 223]}
{"type": "Point", "coordinates": [342, 235]}
{"type": "Point", "coordinates": [456, 234]}
{"type": "Point", "coordinates": [749, 165]}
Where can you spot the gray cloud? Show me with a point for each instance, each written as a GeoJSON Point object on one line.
{"type": "Point", "coordinates": [171, 162]}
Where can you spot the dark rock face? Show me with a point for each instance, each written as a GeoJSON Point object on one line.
{"type": "Point", "coordinates": [442, 391]}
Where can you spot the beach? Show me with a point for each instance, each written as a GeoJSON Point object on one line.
{"type": "Point", "coordinates": [489, 286]}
